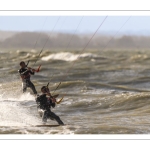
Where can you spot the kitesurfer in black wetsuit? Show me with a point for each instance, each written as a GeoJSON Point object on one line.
{"type": "Point", "coordinates": [44, 105]}
{"type": "Point", "coordinates": [25, 73]}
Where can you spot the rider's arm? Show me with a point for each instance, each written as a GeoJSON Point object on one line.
{"type": "Point", "coordinates": [52, 104]}
{"type": "Point", "coordinates": [31, 71]}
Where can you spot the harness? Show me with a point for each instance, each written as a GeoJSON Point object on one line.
{"type": "Point", "coordinates": [26, 76]}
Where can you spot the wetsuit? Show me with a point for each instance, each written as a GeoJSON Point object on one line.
{"type": "Point", "coordinates": [44, 104]}
{"type": "Point", "coordinates": [25, 75]}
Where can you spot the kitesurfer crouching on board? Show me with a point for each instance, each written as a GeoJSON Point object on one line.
{"type": "Point", "coordinates": [25, 73]}
{"type": "Point", "coordinates": [44, 105]}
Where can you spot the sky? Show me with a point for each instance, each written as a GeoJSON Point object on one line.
{"type": "Point", "coordinates": [78, 24]}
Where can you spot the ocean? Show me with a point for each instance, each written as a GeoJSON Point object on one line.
{"type": "Point", "coordinates": [105, 91]}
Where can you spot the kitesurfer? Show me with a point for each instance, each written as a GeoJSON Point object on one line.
{"type": "Point", "coordinates": [25, 73]}
{"type": "Point", "coordinates": [44, 103]}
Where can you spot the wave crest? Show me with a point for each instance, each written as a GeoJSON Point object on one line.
{"type": "Point", "coordinates": [67, 56]}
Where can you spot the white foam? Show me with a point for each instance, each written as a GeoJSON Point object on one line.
{"type": "Point", "coordinates": [26, 96]}
{"type": "Point", "coordinates": [12, 114]}
{"type": "Point", "coordinates": [66, 56]}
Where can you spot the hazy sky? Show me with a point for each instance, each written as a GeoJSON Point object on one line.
{"type": "Point", "coordinates": [135, 24]}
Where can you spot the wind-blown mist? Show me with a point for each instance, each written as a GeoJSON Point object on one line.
{"type": "Point", "coordinates": [70, 41]}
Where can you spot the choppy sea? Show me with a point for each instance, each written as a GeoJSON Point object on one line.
{"type": "Point", "coordinates": [105, 91]}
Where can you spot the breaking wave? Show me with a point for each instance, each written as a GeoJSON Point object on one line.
{"type": "Point", "coordinates": [67, 56]}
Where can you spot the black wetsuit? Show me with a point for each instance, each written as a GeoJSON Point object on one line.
{"type": "Point", "coordinates": [25, 74]}
{"type": "Point", "coordinates": [44, 104]}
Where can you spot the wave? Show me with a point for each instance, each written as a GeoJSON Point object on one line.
{"type": "Point", "coordinates": [67, 56]}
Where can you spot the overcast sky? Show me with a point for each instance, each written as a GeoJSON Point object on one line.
{"type": "Point", "coordinates": [85, 24]}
